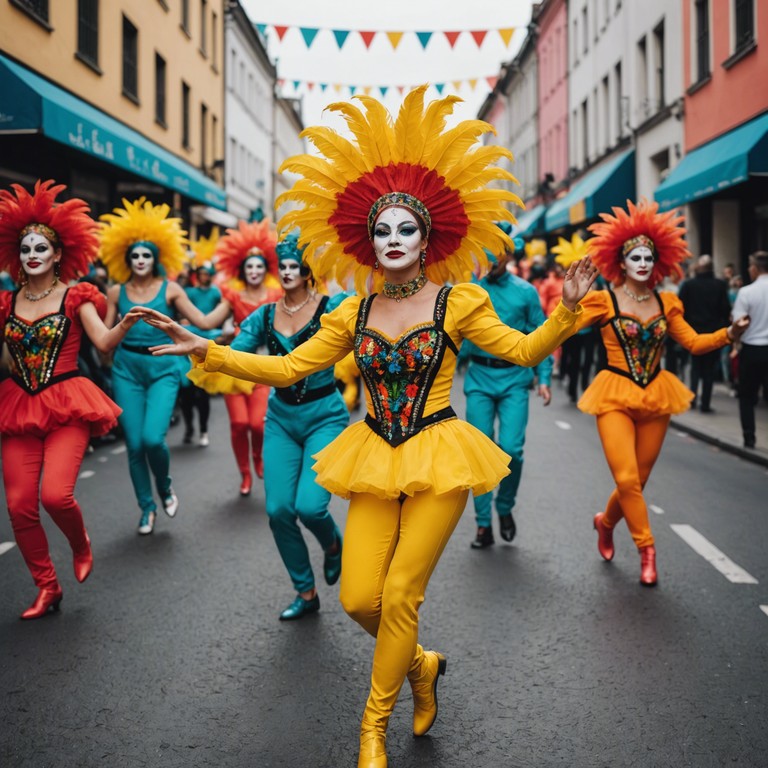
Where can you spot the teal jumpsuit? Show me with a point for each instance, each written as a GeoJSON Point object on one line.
{"type": "Point", "coordinates": [301, 420]}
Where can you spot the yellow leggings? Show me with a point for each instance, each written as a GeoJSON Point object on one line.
{"type": "Point", "coordinates": [631, 448]}
{"type": "Point", "coordinates": [391, 548]}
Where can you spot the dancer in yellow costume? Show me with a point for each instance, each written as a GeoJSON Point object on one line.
{"type": "Point", "coordinates": [402, 209]}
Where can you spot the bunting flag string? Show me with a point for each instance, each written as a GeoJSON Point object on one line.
{"type": "Point", "coordinates": [309, 85]}
{"type": "Point", "coordinates": [340, 36]}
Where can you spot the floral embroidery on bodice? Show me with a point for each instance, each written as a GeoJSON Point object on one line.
{"type": "Point", "coordinates": [398, 374]}
{"type": "Point", "coordinates": [641, 344]}
{"type": "Point", "coordinates": [34, 348]}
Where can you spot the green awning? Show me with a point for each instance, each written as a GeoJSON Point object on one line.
{"type": "Point", "coordinates": [612, 183]}
{"type": "Point", "coordinates": [721, 163]}
{"type": "Point", "coordinates": [30, 104]}
{"type": "Point", "coordinates": [530, 222]}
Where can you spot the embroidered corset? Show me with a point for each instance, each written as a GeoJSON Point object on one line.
{"type": "Point", "coordinates": [641, 344]}
{"type": "Point", "coordinates": [399, 374]}
{"type": "Point", "coordinates": [35, 349]}
{"type": "Point", "coordinates": [297, 392]}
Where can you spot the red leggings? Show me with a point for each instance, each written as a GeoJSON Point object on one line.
{"type": "Point", "coordinates": [57, 457]}
{"type": "Point", "coordinates": [246, 422]}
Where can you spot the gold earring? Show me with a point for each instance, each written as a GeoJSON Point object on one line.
{"type": "Point", "coordinates": [376, 264]}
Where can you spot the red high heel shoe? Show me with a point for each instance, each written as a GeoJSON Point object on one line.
{"type": "Point", "coordinates": [83, 562]}
{"type": "Point", "coordinates": [46, 598]}
{"type": "Point", "coordinates": [260, 468]}
{"type": "Point", "coordinates": [604, 537]}
{"type": "Point", "coordinates": [648, 566]}
{"type": "Point", "coordinates": [246, 485]}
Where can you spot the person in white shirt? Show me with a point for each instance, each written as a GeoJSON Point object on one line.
{"type": "Point", "coordinates": [752, 301]}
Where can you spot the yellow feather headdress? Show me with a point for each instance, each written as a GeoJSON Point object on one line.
{"type": "Point", "coordinates": [414, 162]}
{"type": "Point", "coordinates": [141, 221]}
{"type": "Point", "coordinates": [536, 247]}
{"type": "Point", "coordinates": [570, 251]}
{"type": "Point", "coordinates": [203, 250]}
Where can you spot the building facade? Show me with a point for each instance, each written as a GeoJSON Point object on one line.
{"type": "Point", "coordinates": [115, 99]}
{"type": "Point", "coordinates": [288, 126]}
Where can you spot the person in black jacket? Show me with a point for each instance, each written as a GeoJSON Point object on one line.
{"type": "Point", "coordinates": [707, 308]}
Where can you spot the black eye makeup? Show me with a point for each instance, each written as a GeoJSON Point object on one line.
{"type": "Point", "coordinates": [637, 257]}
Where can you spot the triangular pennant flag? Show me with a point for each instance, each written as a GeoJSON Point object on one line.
{"type": "Point", "coordinates": [296, 84]}
{"type": "Point", "coordinates": [341, 36]}
{"type": "Point", "coordinates": [456, 85]}
{"type": "Point", "coordinates": [440, 87]}
{"type": "Point", "coordinates": [506, 35]}
{"type": "Point", "coordinates": [479, 36]}
{"type": "Point", "coordinates": [367, 89]}
{"type": "Point", "coordinates": [352, 89]}
{"type": "Point", "coordinates": [323, 86]}
{"type": "Point", "coordinates": [451, 37]}
{"type": "Point", "coordinates": [337, 87]}
{"type": "Point", "coordinates": [281, 32]}
{"type": "Point", "coordinates": [367, 38]}
{"type": "Point", "coordinates": [310, 86]}
{"type": "Point", "coordinates": [262, 29]}
{"type": "Point", "coordinates": [472, 83]}
{"type": "Point", "coordinates": [383, 90]}
{"type": "Point", "coordinates": [310, 33]}
{"type": "Point", "coordinates": [394, 39]}
{"type": "Point", "coordinates": [492, 81]}
{"type": "Point", "coordinates": [424, 38]}
{"type": "Point", "coordinates": [400, 89]}
{"type": "Point", "coordinates": [281, 81]}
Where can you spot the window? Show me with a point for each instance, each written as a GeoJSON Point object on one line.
{"type": "Point", "coordinates": [160, 75]}
{"type": "Point", "coordinates": [184, 115]}
{"type": "Point", "coordinates": [585, 132]}
{"type": "Point", "coordinates": [585, 27]}
{"type": "Point", "coordinates": [37, 9]}
{"type": "Point", "coordinates": [130, 60]}
{"type": "Point", "coordinates": [214, 132]}
{"type": "Point", "coordinates": [185, 15]}
{"type": "Point", "coordinates": [644, 105]}
{"type": "Point", "coordinates": [204, 137]}
{"type": "Point", "coordinates": [702, 39]}
{"type": "Point", "coordinates": [88, 30]}
{"type": "Point", "coordinates": [204, 27]}
{"type": "Point", "coordinates": [658, 57]}
{"type": "Point", "coordinates": [214, 33]}
{"type": "Point", "coordinates": [744, 18]}
{"type": "Point", "coordinates": [606, 108]}
{"type": "Point", "coordinates": [619, 102]}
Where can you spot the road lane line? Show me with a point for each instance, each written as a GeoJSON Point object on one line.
{"type": "Point", "coordinates": [119, 449]}
{"type": "Point", "coordinates": [734, 573]}
{"type": "Point", "coordinates": [85, 474]}
{"type": "Point", "coordinates": [764, 609]}
{"type": "Point", "coordinates": [563, 425]}
{"type": "Point", "coordinates": [5, 546]}
{"type": "Point", "coordinates": [657, 510]}
{"type": "Point", "coordinates": [102, 459]}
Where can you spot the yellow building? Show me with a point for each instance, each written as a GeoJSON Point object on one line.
{"type": "Point", "coordinates": [114, 98]}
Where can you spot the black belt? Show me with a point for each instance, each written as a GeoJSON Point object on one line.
{"type": "Point", "coordinates": [289, 396]}
{"type": "Point", "coordinates": [135, 348]}
{"type": "Point", "coordinates": [444, 414]}
{"type": "Point", "coordinates": [491, 362]}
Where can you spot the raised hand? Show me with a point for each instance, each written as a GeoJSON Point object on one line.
{"type": "Point", "coordinates": [184, 342]}
{"type": "Point", "coordinates": [736, 329]}
{"type": "Point", "coordinates": [578, 280]}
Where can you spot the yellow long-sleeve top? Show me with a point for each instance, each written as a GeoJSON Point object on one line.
{"type": "Point", "coordinates": [411, 439]}
{"type": "Point", "coordinates": [634, 380]}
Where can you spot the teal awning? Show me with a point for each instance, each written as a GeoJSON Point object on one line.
{"type": "Point", "coordinates": [530, 222]}
{"type": "Point", "coordinates": [30, 104]}
{"type": "Point", "coordinates": [721, 163]}
{"type": "Point", "coordinates": [612, 183]}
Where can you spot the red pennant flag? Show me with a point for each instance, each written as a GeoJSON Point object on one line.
{"type": "Point", "coordinates": [281, 32]}
{"type": "Point", "coordinates": [367, 38]}
{"type": "Point", "coordinates": [492, 81]}
{"type": "Point", "coordinates": [451, 37]}
{"type": "Point", "coordinates": [400, 89]}
{"type": "Point", "coordinates": [281, 81]}
{"type": "Point", "coordinates": [311, 86]}
{"type": "Point", "coordinates": [479, 36]}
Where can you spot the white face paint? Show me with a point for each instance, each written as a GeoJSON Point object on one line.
{"type": "Point", "coordinates": [37, 254]}
{"type": "Point", "coordinates": [142, 261]}
{"type": "Point", "coordinates": [289, 271]}
{"type": "Point", "coordinates": [397, 239]}
{"type": "Point", "coordinates": [255, 271]}
{"type": "Point", "coordinates": [639, 263]}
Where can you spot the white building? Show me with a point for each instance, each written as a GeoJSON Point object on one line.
{"type": "Point", "coordinates": [288, 126]}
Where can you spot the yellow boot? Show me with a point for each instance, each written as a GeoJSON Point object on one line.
{"type": "Point", "coordinates": [373, 752]}
{"type": "Point", "coordinates": [423, 678]}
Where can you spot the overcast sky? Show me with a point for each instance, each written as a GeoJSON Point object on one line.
{"type": "Point", "coordinates": [410, 64]}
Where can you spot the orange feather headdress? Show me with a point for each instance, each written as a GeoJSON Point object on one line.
{"type": "Point", "coordinates": [254, 239]}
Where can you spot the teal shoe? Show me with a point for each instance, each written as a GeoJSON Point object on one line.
{"type": "Point", "coordinates": [300, 607]}
{"type": "Point", "coordinates": [332, 564]}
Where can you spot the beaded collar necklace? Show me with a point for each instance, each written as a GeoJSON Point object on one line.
{"type": "Point", "coordinates": [400, 291]}
{"type": "Point", "coordinates": [636, 296]}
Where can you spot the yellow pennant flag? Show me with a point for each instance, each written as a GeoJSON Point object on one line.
{"type": "Point", "coordinates": [456, 85]}
{"type": "Point", "coordinates": [473, 83]}
{"type": "Point", "coordinates": [367, 90]}
{"type": "Point", "coordinates": [337, 87]}
{"type": "Point", "coordinates": [394, 39]}
{"type": "Point", "coordinates": [506, 35]}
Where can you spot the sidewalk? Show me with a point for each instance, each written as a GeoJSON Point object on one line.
{"type": "Point", "coordinates": [723, 429]}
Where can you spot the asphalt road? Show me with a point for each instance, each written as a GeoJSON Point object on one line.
{"type": "Point", "coordinates": [171, 653]}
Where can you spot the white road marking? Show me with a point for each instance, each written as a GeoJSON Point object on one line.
{"type": "Point", "coordinates": [682, 434]}
{"type": "Point", "coordinates": [119, 449]}
{"type": "Point", "coordinates": [85, 474]}
{"type": "Point", "coordinates": [657, 510]}
{"type": "Point", "coordinates": [764, 609]}
{"type": "Point", "coordinates": [563, 425]}
{"type": "Point", "coordinates": [6, 545]}
{"type": "Point", "coordinates": [102, 459]}
{"type": "Point", "coordinates": [734, 573]}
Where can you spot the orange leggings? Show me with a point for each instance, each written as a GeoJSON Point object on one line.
{"type": "Point", "coordinates": [246, 423]}
{"type": "Point", "coordinates": [631, 448]}
{"type": "Point", "coordinates": [390, 550]}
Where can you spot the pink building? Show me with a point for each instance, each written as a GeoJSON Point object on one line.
{"type": "Point", "coordinates": [551, 18]}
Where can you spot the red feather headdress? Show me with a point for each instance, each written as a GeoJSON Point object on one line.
{"type": "Point", "coordinates": [75, 231]}
{"type": "Point", "coordinates": [641, 221]}
{"type": "Point", "coordinates": [238, 244]}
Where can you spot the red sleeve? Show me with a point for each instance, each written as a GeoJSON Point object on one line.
{"type": "Point", "coordinates": [6, 298]}
{"type": "Point", "coordinates": [84, 293]}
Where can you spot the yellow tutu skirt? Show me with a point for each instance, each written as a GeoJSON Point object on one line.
{"type": "Point", "coordinates": [215, 383]}
{"type": "Point", "coordinates": [610, 391]}
{"type": "Point", "coordinates": [448, 456]}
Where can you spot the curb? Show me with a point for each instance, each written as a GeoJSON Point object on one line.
{"type": "Point", "coordinates": [742, 453]}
